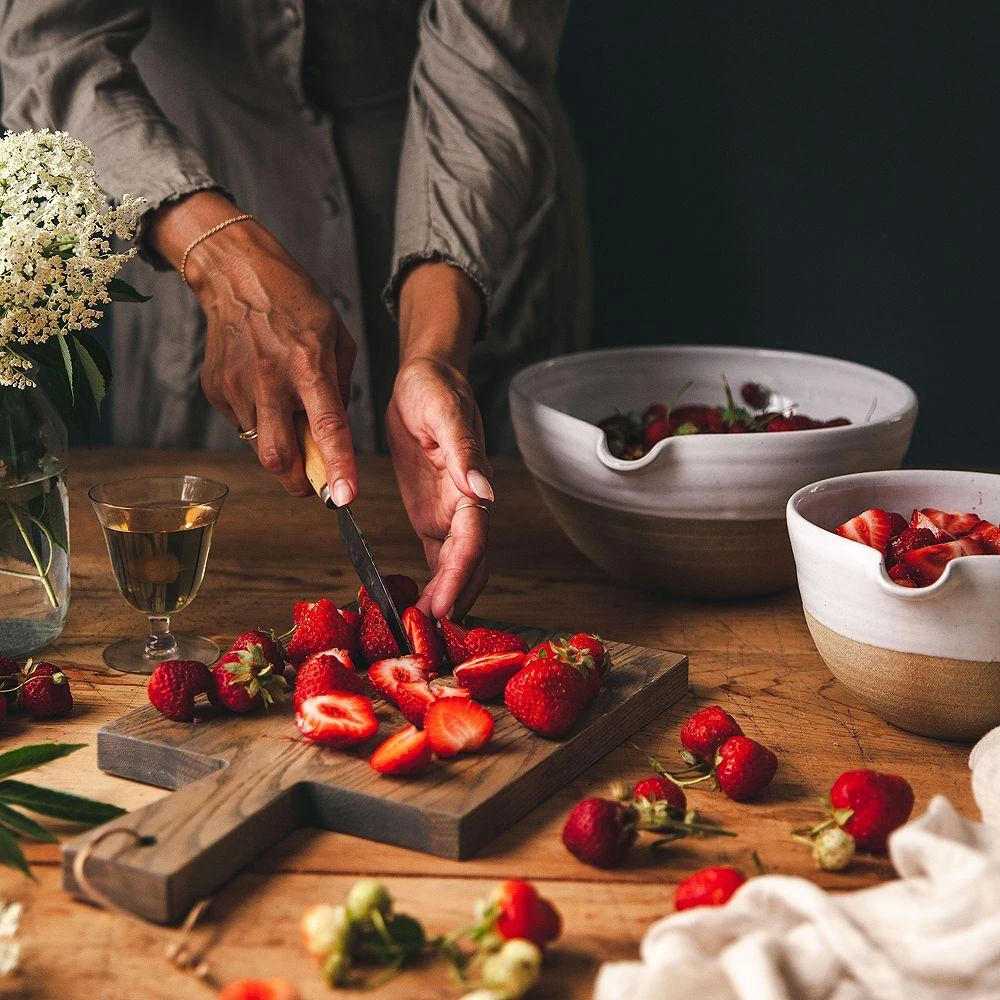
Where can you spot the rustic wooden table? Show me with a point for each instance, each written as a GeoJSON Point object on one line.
{"type": "Point", "coordinates": [753, 657]}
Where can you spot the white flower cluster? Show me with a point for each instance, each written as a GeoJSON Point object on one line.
{"type": "Point", "coordinates": [55, 250]}
{"type": "Point", "coordinates": [10, 950]}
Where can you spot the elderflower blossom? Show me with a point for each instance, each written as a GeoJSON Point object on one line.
{"type": "Point", "coordinates": [55, 251]}
{"type": "Point", "coordinates": [10, 950]}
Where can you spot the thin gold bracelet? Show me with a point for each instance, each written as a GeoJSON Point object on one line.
{"type": "Point", "coordinates": [205, 236]}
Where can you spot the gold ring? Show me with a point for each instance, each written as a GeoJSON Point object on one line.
{"type": "Point", "coordinates": [446, 537]}
{"type": "Point", "coordinates": [478, 506]}
{"type": "Point", "coordinates": [250, 435]}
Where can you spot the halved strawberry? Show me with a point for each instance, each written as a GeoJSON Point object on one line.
{"type": "Point", "coordinates": [956, 525]}
{"type": "Point", "coordinates": [873, 527]}
{"type": "Point", "coordinates": [375, 639]}
{"type": "Point", "coordinates": [899, 574]}
{"type": "Point", "coordinates": [988, 534]}
{"type": "Point", "coordinates": [413, 698]}
{"type": "Point", "coordinates": [927, 564]}
{"type": "Point", "coordinates": [337, 720]}
{"type": "Point", "coordinates": [907, 541]}
{"type": "Point", "coordinates": [920, 520]}
{"type": "Point", "coordinates": [486, 676]}
{"type": "Point", "coordinates": [385, 676]}
{"type": "Point", "coordinates": [424, 639]}
{"type": "Point", "coordinates": [454, 641]}
{"type": "Point", "coordinates": [326, 672]}
{"type": "Point", "coordinates": [454, 725]}
{"type": "Point", "coordinates": [406, 752]}
{"type": "Point", "coordinates": [480, 641]}
{"type": "Point", "coordinates": [318, 625]}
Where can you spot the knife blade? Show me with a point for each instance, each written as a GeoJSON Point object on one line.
{"type": "Point", "coordinates": [350, 534]}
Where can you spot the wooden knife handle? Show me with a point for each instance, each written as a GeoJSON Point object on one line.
{"type": "Point", "coordinates": [315, 466]}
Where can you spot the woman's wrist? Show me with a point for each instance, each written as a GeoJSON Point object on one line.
{"type": "Point", "coordinates": [439, 313]}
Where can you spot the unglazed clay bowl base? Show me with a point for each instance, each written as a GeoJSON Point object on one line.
{"type": "Point", "coordinates": [685, 557]}
{"type": "Point", "coordinates": [934, 696]}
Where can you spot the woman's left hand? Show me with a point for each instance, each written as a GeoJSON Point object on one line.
{"type": "Point", "coordinates": [436, 438]}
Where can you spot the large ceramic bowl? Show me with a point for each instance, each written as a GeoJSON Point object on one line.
{"type": "Point", "coordinates": [925, 659]}
{"type": "Point", "coordinates": [698, 516]}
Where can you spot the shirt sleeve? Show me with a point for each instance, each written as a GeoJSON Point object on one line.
{"type": "Point", "coordinates": [67, 66]}
{"type": "Point", "coordinates": [477, 170]}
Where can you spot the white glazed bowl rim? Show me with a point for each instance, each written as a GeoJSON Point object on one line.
{"type": "Point", "coordinates": [980, 567]}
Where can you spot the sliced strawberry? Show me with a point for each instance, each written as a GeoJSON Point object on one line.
{"type": "Point", "coordinates": [907, 541]}
{"type": "Point", "coordinates": [480, 641]}
{"type": "Point", "coordinates": [375, 639]}
{"type": "Point", "coordinates": [486, 676]}
{"type": "Point", "coordinates": [899, 574]}
{"type": "Point", "coordinates": [873, 527]}
{"type": "Point", "coordinates": [988, 534]}
{"type": "Point", "coordinates": [402, 589]}
{"type": "Point", "coordinates": [424, 639]}
{"type": "Point", "coordinates": [406, 752]}
{"type": "Point", "coordinates": [955, 525]}
{"type": "Point", "coordinates": [454, 641]}
{"type": "Point", "coordinates": [337, 720]}
{"type": "Point", "coordinates": [921, 520]}
{"type": "Point", "coordinates": [440, 690]}
{"type": "Point", "coordinates": [324, 673]}
{"type": "Point", "coordinates": [927, 564]}
{"type": "Point", "coordinates": [385, 676]}
{"type": "Point", "coordinates": [899, 523]}
{"type": "Point", "coordinates": [413, 698]}
{"type": "Point", "coordinates": [454, 725]}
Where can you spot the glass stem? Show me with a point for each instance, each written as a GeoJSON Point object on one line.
{"type": "Point", "coordinates": [161, 642]}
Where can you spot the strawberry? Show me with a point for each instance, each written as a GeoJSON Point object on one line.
{"type": "Point", "coordinates": [988, 535]}
{"type": "Point", "coordinates": [272, 650]}
{"type": "Point", "coordinates": [655, 431]}
{"type": "Point", "coordinates": [906, 541]}
{"type": "Point", "coordinates": [244, 680]}
{"type": "Point", "coordinates": [424, 639]}
{"type": "Point", "coordinates": [659, 789]}
{"type": "Point", "coordinates": [517, 911]}
{"type": "Point", "coordinates": [744, 768]}
{"type": "Point", "coordinates": [706, 419]}
{"type": "Point", "coordinates": [353, 620]}
{"type": "Point", "coordinates": [708, 887]}
{"type": "Point", "coordinates": [402, 589]}
{"type": "Point", "coordinates": [318, 625]}
{"type": "Point", "coordinates": [174, 685]}
{"type": "Point", "coordinates": [705, 731]}
{"type": "Point", "coordinates": [10, 678]}
{"type": "Point", "coordinates": [928, 564]}
{"type": "Point", "coordinates": [45, 693]}
{"type": "Point", "coordinates": [406, 752]}
{"type": "Point", "coordinates": [481, 641]}
{"type": "Point", "coordinates": [899, 574]}
{"type": "Point", "coordinates": [324, 673]}
{"type": "Point", "coordinates": [594, 656]}
{"type": "Point", "coordinates": [259, 989]}
{"type": "Point", "coordinates": [457, 725]}
{"type": "Point", "coordinates": [486, 676]}
{"type": "Point", "coordinates": [547, 696]}
{"type": "Point", "coordinates": [337, 720]}
{"type": "Point", "coordinates": [454, 641]}
{"type": "Point", "coordinates": [600, 832]}
{"type": "Point", "coordinates": [756, 395]}
{"type": "Point", "coordinates": [374, 637]}
{"type": "Point", "coordinates": [414, 698]}
{"type": "Point", "coordinates": [655, 411]}
{"type": "Point", "coordinates": [386, 675]}
{"type": "Point", "coordinates": [955, 525]}
{"type": "Point", "coordinates": [869, 805]}
{"type": "Point", "coordinates": [873, 527]}
{"type": "Point", "coordinates": [920, 520]}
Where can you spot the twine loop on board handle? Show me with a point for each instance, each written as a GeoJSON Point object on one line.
{"type": "Point", "coordinates": [182, 953]}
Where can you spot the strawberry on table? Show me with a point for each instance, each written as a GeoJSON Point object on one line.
{"type": "Point", "coordinates": [259, 989]}
{"type": "Point", "coordinates": [547, 695]}
{"type": "Point", "coordinates": [318, 625]}
{"type": "Point", "coordinates": [453, 636]}
{"type": "Point", "coordinates": [659, 789]}
{"type": "Point", "coordinates": [424, 639]}
{"type": "Point", "coordinates": [374, 637]}
{"type": "Point", "coordinates": [705, 731]}
{"type": "Point", "coordinates": [174, 685]}
{"type": "Point", "coordinates": [744, 768]}
{"type": "Point", "coordinates": [708, 887]}
{"type": "Point", "coordinates": [271, 649]}
{"type": "Point", "coordinates": [600, 832]}
{"type": "Point", "coordinates": [45, 693]}
{"type": "Point", "coordinates": [386, 675]}
{"type": "Point", "coordinates": [326, 672]}
{"type": "Point", "coordinates": [869, 805]}
{"type": "Point", "coordinates": [244, 680]}
{"type": "Point", "coordinates": [486, 676]}
{"type": "Point", "coordinates": [482, 641]}
{"type": "Point", "coordinates": [337, 720]}
{"type": "Point", "coordinates": [926, 565]}
{"type": "Point", "coordinates": [406, 752]}
{"type": "Point", "coordinates": [516, 910]}
{"type": "Point", "coordinates": [413, 698]}
{"type": "Point", "coordinates": [873, 527]}
{"type": "Point", "coordinates": [457, 725]}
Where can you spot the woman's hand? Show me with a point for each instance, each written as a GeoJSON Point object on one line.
{"type": "Point", "coordinates": [436, 439]}
{"type": "Point", "coordinates": [436, 435]}
{"type": "Point", "coordinates": [274, 344]}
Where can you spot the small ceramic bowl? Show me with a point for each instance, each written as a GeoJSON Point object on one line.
{"type": "Point", "coordinates": [699, 516]}
{"type": "Point", "coordinates": [924, 659]}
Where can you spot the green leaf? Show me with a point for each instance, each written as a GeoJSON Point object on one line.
{"type": "Point", "coordinates": [17, 823]}
{"type": "Point", "coordinates": [122, 291]}
{"type": "Point", "coordinates": [11, 854]}
{"type": "Point", "coordinates": [60, 805]}
{"type": "Point", "coordinates": [95, 379]}
{"type": "Point", "coordinates": [68, 362]}
{"type": "Point", "coordinates": [96, 350]}
{"type": "Point", "coordinates": [25, 758]}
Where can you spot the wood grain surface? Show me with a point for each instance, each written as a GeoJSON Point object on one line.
{"type": "Point", "coordinates": [248, 781]}
{"type": "Point", "coordinates": [754, 657]}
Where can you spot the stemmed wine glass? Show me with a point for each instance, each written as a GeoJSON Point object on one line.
{"type": "Point", "coordinates": [159, 531]}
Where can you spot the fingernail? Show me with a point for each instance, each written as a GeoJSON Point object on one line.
{"type": "Point", "coordinates": [342, 493]}
{"type": "Point", "coordinates": [480, 485]}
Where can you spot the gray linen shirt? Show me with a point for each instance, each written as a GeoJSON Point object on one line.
{"type": "Point", "coordinates": [176, 96]}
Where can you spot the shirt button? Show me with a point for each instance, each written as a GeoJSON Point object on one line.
{"type": "Point", "coordinates": [341, 301]}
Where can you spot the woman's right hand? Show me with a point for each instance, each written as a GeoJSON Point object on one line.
{"type": "Point", "coordinates": [274, 345]}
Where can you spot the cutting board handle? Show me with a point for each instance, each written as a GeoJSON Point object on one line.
{"type": "Point", "coordinates": [315, 466]}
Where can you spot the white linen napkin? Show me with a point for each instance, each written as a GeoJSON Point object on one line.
{"type": "Point", "coordinates": [933, 934]}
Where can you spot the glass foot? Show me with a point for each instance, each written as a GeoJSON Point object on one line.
{"type": "Point", "coordinates": [130, 655]}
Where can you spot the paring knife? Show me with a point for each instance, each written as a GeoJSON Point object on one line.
{"type": "Point", "coordinates": [350, 534]}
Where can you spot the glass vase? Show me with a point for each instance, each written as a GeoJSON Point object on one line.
{"type": "Point", "coordinates": [34, 522]}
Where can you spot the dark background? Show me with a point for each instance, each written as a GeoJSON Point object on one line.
{"type": "Point", "coordinates": [807, 175]}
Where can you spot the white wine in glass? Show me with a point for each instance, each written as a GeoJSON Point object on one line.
{"type": "Point", "coordinates": [158, 532]}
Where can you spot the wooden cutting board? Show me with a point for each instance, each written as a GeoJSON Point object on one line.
{"type": "Point", "coordinates": [244, 782]}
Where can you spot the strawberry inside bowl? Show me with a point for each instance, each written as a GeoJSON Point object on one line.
{"type": "Point", "coordinates": [698, 515]}
{"type": "Point", "coordinates": [906, 619]}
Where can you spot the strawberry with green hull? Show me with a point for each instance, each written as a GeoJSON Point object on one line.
{"type": "Point", "coordinates": [337, 720]}
{"type": "Point", "coordinates": [744, 768]}
{"type": "Point", "coordinates": [871, 804]}
{"type": "Point", "coordinates": [271, 648]}
{"type": "Point", "coordinates": [705, 731]}
{"type": "Point", "coordinates": [515, 910]}
{"type": "Point", "coordinates": [658, 789]}
{"type": "Point", "coordinates": [45, 691]}
{"type": "Point", "coordinates": [175, 684]}
{"type": "Point", "coordinates": [244, 680]}
{"type": "Point", "coordinates": [324, 673]}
